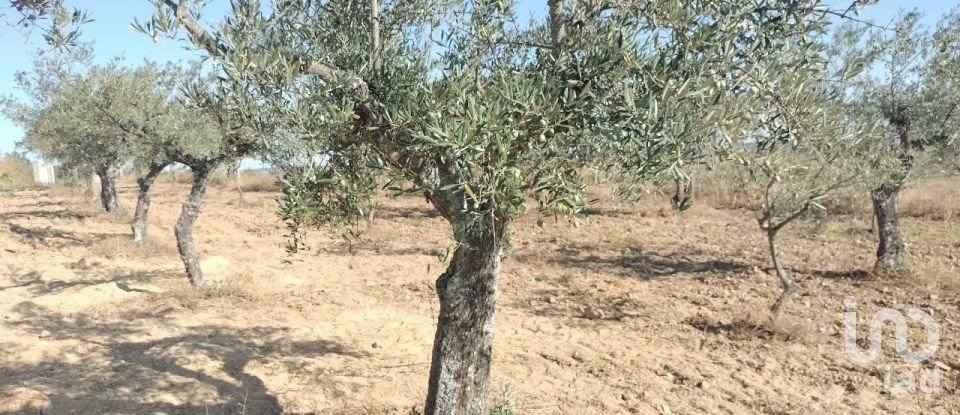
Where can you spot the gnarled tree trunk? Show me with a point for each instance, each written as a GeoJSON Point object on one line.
{"type": "Point", "coordinates": [188, 215]}
{"type": "Point", "coordinates": [463, 345]}
{"type": "Point", "coordinates": [108, 190]}
{"type": "Point", "coordinates": [143, 201]}
{"type": "Point", "coordinates": [890, 261]}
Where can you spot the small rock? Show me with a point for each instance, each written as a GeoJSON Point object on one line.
{"type": "Point", "coordinates": [552, 300]}
{"type": "Point", "coordinates": [942, 366]}
{"type": "Point", "coordinates": [702, 384]}
{"type": "Point", "coordinates": [44, 334]}
{"type": "Point", "coordinates": [376, 345]}
{"type": "Point", "coordinates": [593, 313]}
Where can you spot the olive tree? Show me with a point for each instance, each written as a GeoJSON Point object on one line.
{"type": "Point", "coordinates": [214, 133]}
{"type": "Point", "coordinates": [73, 120]}
{"type": "Point", "coordinates": [161, 126]}
{"type": "Point", "coordinates": [474, 109]}
{"type": "Point", "coordinates": [799, 147]}
{"type": "Point", "coordinates": [912, 86]}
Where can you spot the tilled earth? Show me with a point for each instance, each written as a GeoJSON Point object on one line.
{"type": "Point", "coordinates": [635, 311]}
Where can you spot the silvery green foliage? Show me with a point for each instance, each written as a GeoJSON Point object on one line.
{"type": "Point", "coordinates": [472, 104]}
{"type": "Point", "coordinates": [78, 118]}
{"type": "Point", "coordinates": [911, 83]}
{"type": "Point", "coordinates": [799, 144]}
{"type": "Point", "coordinates": [89, 116]}
{"type": "Point", "coordinates": [942, 90]}
{"type": "Point", "coordinates": [60, 26]}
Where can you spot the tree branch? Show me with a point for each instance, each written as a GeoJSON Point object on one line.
{"type": "Point", "coordinates": [793, 216]}
{"type": "Point", "coordinates": [308, 66]}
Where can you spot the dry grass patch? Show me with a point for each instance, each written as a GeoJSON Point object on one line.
{"type": "Point", "coordinates": [123, 246]}
{"type": "Point", "coordinates": [232, 290]}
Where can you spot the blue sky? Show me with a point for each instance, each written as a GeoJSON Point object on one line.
{"type": "Point", "coordinates": [112, 37]}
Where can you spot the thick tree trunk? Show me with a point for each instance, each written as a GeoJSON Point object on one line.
{"type": "Point", "coordinates": [188, 215]}
{"type": "Point", "coordinates": [890, 261]}
{"type": "Point", "coordinates": [108, 190]}
{"type": "Point", "coordinates": [462, 347]}
{"type": "Point", "coordinates": [143, 202]}
{"type": "Point", "coordinates": [786, 284]}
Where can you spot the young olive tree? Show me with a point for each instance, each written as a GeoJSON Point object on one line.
{"type": "Point", "coordinates": [476, 110]}
{"type": "Point", "coordinates": [799, 148]}
{"type": "Point", "coordinates": [912, 86]}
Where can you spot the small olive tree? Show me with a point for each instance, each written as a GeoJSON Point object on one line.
{"type": "Point", "coordinates": [473, 108]}
{"type": "Point", "coordinates": [162, 127]}
{"type": "Point", "coordinates": [801, 141]}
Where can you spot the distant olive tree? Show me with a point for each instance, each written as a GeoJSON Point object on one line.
{"type": "Point", "coordinates": [72, 118]}
{"type": "Point", "coordinates": [148, 106]}
{"type": "Point", "coordinates": [913, 86]}
{"type": "Point", "coordinates": [474, 109]}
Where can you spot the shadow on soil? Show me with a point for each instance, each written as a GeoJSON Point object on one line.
{"type": "Point", "coordinates": [633, 262]}
{"type": "Point", "coordinates": [56, 238]}
{"type": "Point", "coordinates": [127, 374]}
{"type": "Point", "coordinates": [37, 285]}
{"type": "Point", "coordinates": [45, 214]}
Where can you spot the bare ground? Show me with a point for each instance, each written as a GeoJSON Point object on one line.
{"type": "Point", "coordinates": [636, 311]}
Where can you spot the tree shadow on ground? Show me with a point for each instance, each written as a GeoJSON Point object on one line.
{"type": "Point", "coordinates": [126, 370]}
{"type": "Point", "coordinates": [37, 285]}
{"type": "Point", "coordinates": [612, 212]}
{"type": "Point", "coordinates": [636, 263]}
{"type": "Point", "coordinates": [46, 214]}
{"type": "Point", "coordinates": [37, 203]}
{"type": "Point", "coordinates": [738, 329]}
{"type": "Point", "coordinates": [405, 212]}
{"type": "Point", "coordinates": [589, 307]}
{"type": "Point", "coordinates": [848, 275]}
{"type": "Point", "coordinates": [51, 237]}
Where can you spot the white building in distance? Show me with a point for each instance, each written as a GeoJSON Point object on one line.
{"type": "Point", "coordinates": [43, 173]}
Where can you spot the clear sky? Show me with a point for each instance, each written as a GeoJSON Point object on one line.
{"type": "Point", "coordinates": [112, 37]}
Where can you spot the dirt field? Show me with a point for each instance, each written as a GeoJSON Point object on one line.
{"type": "Point", "coordinates": [634, 312]}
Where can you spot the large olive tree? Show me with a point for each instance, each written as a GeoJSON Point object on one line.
{"type": "Point", "coordinates": [913, 85]}
{"type": "Point", "coordinates": [475, 109]}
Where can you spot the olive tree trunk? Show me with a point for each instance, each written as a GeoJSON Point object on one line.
{"type": "Point", "coordinates": [188, 215]}
{"type": "Point", "coordinates": [890, 252]}
{"type": "Point", "coordinates": [236, 176]}
{"type": "Point", "coordinates": [463, 345]}
{"type": "Point", "coordinates": [108, 190]}
{"type": "Point", "coordinates": [143, 201]}
{"type": "Point", "coordinates": [786, 283]}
